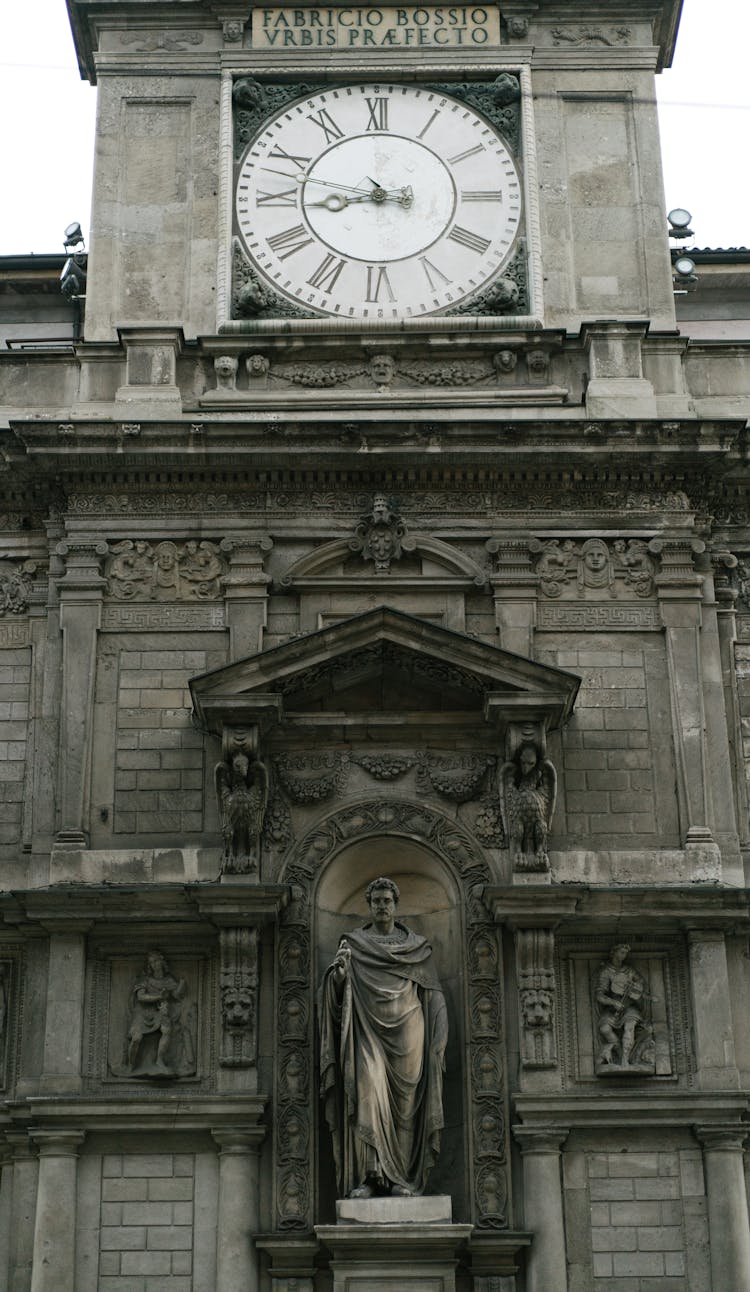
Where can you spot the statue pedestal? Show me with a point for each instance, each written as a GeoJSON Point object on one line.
{"type": "Point", "coordinates": [394, 1245]}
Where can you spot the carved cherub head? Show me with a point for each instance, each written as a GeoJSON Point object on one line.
{"type": "Point", "coordinates": [505, 89]}
{"type": "Point", "coordinates": [256, 366]}
{"type": "Point", "coordinates": [504, 360]}
{"type": "Point", "coordinates": [248, 93]}
{"type": "Point", "coordinates": [536, 1007]}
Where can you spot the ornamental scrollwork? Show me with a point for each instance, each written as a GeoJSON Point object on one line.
{"type": "Point", "coordinates": [167, 571]}
{"type": "Point", "coordinates": [591, 36]}
{"type": "Point", "coordinates": [251, 298]}
{"type": "Point", "coordinates": [16, 587]}
{"type": "Point", "coordinates": [498, 100]}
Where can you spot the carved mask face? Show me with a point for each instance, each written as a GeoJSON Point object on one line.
{"type": "Point", "coordinates": [237, 1006]}
{"type": "Point", "coordinates": [527, 759]}
{"type": "Point", "coordinates": [382, 369]}
{"type": "Point", "coordinates": [537, 1008]}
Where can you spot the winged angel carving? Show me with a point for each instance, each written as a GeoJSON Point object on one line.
{"type": "Point", "coordinates": [242, 793]}
{"type": "Point", "coordinates": [528, 786]}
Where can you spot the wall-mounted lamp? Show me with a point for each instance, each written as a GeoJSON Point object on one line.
{"type": "Point", "coordinates": [679, 223]}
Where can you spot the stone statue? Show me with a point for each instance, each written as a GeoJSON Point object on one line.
{"type": "Point", "coordinates": [621, 998]}
{"type": "Point", "coordinates": [161, 1035]}
{"type": "Point", "coordinates": [529, 785]}
{"type": "Point", "coordinates": [242, 792]}
{"type": "Point", "coordinates": [383, 1027]}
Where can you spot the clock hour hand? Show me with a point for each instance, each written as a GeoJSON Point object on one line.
{"type": "Point", "coordinates": [338, 201]}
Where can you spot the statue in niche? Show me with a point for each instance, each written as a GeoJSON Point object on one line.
{"type": "Point", "coordinates": [627, 1035]}
{"type": "Point", "coordinates": [383, 1028]}
{"type": "Point", "coordinates": [529, 788]}
{"type": "Point", "coordinates": [241, 781]}
{"type": "Point", "coordinates": [161, 1032]}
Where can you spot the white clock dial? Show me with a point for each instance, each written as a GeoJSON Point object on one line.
{"type": "Point", "coordinates": [378, 202]}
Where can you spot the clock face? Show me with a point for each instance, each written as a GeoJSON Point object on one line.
{"type": "Point", "coordinates": [378, 202]}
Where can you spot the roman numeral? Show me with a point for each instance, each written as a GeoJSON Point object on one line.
{"type": "Point", "coordinates": [470, 152]}
{"type": "Point", "coordinates": [424, 129]}
{"type": "Point", "coordinates": [326, 275]}
{"type": "Point", "coordinates": [327, 125]}
{"type": "Point", "coordinates": [290, 241]}
{"type": "Point", "coordinates": [431, 269]}
{"type": "Point", "coordinates": [283, 155]}
{"type": "Point", "coordinates": [467, 239]}
{"type": "Point", "coordinates": [287, 197]}
{"type": "Point", "coordinates": [378, 118]}
{"type": "Point", "coordinates": [481, 195]}
{"type": "Point", "coordinates": [377, 278]}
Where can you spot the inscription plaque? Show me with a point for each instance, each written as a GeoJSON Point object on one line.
{"type": "Point", "coordinates": [360, 27]}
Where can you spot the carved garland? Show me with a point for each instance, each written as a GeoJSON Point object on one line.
{"type": "Point", "coordinates": [295, 1044]}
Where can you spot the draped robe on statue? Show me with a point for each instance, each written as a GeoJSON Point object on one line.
{"type": "Point", "coordinates": [383, 1037]}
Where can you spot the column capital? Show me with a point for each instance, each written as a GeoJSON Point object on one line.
{"type": "Point", "coordinates": [20, 1146]}
{"type": "Point", "coordinates": [722, 1138]}
{"type": "Point", "coordinates": [547, 1140]}
{"type": "Point", "coordinates": [239, 1139]}
{"type": "Point", "coordinates": [58, 1142]}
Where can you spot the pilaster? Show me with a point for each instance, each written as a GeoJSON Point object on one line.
{"type": "Point", "coordinates": [712, 1013]}
{"type": "Point", "coordinates": [515, 589]}
{"type": "Point", "coordinates": [80, 590]}
{"type": "Point", "coordinates": [55, 1222]}
{"type": "Point", "coordinates": [535, 967]}
{"type": "Point", "coordinates": [66, 979]}
{"type": "Point", "coordinates": [246, 593]}
{"type": "Point", "coordinates": [543, 1207]}
{"type": "Point", "coordinates": [25, 1169]}
{"type": "Point", "coordinates": [616, 386]}
{"type": "Point", "coordinates": [680, 589]}
{"type": "Point", "coordinates": [237, 1225]}
{"type": "Point", "coordinates": [728, 1227]}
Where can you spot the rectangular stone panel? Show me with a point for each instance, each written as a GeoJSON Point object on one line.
{"type": "Point", "coordinates": [150, 1242]}
{"type": "Point", "coordinates": [605, 222]}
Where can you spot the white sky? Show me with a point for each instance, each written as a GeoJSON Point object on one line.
{"type": "Point", "coordinates": [47, 125]}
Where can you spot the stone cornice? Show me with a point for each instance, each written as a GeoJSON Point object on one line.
{"type": "Point", "coordinates": [574, 906]}
{"type": "Point", "coordinates": [626, 1110]}
{"type": "Point", "coordinates": [193, 1112]}
{"type": "Point", "coordinates": [78, 907]}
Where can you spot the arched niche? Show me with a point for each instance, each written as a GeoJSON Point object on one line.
{"type": "Point", "coordinates": [430, 903]}
{"type": "Point", "coordinates": [444, 872]}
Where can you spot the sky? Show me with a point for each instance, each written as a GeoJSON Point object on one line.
{"type": "Point", "coordinates": [47, 125]}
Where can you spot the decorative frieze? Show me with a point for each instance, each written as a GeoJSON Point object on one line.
{"type": "Point", "coordinates": [598, 618]}
{"type": "Point", "coordinates": [141, 617]}
{"type": "Point", "coordinates": [139, 571]}
{"type": "Point", "coordinates": [594, 568]}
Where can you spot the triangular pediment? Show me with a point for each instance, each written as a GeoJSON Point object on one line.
{"type": "Point", "coordinates": [383, 660]}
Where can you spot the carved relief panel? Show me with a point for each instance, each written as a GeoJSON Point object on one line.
{"type": "Point", "coordinates": [152, 1015]}
{"type": "Point", "coordinates": [624, 1010]}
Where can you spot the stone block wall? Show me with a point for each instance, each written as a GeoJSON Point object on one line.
{"type": "Point", "coordinates": [636, 1221]}
{"type": "Point", "coordinates": [159, 759]}
{"type": "Point", "coordinates": [146, 1231]}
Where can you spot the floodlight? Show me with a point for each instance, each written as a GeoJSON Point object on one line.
{"type": "Point", "coordinates": [684, 267]}
{"type": "Point", "coordinates": [73, 278]}
{"type": "Point", "coordinates": [73, 235]}
{"type": "Point", "coordinates": [679, 223]}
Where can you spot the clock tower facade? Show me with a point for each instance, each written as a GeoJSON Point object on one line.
{"type": "Point", "coordinates": [375, 512]}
